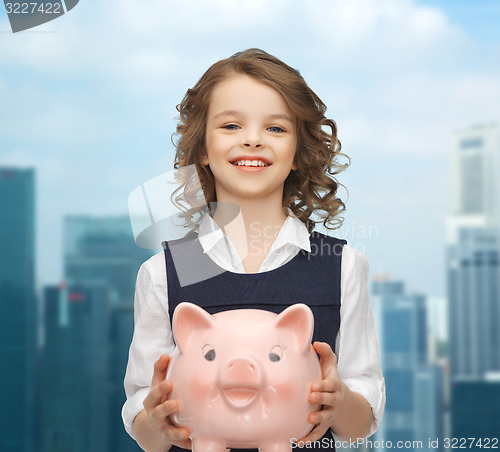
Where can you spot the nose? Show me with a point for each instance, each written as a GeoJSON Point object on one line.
{"type": "Point", "coordinates": [248, 144]}
{"type": "Point", "coordinates": [241, 371]}
{"type": "Point", "coordinates": [252, 139]}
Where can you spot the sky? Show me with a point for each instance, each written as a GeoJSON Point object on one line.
{"type": "Point", "coordinates": [89, 100]}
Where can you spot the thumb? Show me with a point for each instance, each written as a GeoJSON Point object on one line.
{"type": "Point", "coordinates": [328, 359]}
{"type": "Point", "coordinates": [160, 369]}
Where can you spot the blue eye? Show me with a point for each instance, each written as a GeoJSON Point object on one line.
{"type": "Point", "coordinates": [276, 129]}
{"type": "Point", "coordinates": [231, 127]}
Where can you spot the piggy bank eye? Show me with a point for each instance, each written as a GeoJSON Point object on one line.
{"type": "Point", "coordinates": [276, 353]}
{"type": "Point", "coordinates": [208, 352]}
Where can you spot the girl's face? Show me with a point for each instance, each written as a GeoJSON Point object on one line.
{"type": "Point", "coordinates": [250, 139]}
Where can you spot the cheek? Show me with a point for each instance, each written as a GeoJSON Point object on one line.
{"type": "Point", "coordinates": [217, 144]}
{"type": "Point", "coordinates": [285, 390]}
{"type": "Point", "coordinates": [287, 151]}
{"type": "Point", "coordinates": [281, 381]}
{"type": "Point", "coordinates": [204, 384]}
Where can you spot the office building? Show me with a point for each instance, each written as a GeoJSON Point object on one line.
{"type": "Point", "coordinates": [413, 385]}
{"type": "Point", "coordinates": [102, 250]}
{"type": "Point", "coordinates": [429, 419]}
{"type": "Point", "coordinates": [76, 369]}
{"type": "Point", "coordinates": [473, 252]}
{"type": "Point", "coordinates": [473, 275]}
{"type": "Point", "coordinates": [18, 352]}
{"type": "Point", "coordinates": [475, 410]}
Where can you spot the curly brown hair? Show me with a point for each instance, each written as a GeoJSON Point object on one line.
{"type": "Point", "coordinates": [309, 190]}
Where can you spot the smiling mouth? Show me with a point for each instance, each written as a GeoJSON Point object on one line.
{"type": "Point", "coordinates": [240, 397]}
{"type": "Point", "coordinates": [250, 163]}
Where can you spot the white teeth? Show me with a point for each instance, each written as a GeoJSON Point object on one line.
{"type": "Point", "coordinates": [250, 163]}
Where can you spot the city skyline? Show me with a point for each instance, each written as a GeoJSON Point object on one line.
{"type": "Point", "coordinates": [88, 115]}
{"type": "Point", "coordinates": [398, 79]}
{"type": "Point", "coordinates": [88, 321]}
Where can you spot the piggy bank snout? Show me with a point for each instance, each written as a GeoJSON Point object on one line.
{"type": "Point", "coordinates": [241, 372]}
{"type": "Point", "coordinates": [240, 381]}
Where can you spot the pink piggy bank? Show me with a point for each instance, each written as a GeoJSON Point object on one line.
{"type": "Point", "coordinates": [242, 378]}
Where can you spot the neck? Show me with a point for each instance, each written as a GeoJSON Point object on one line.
{"type": "Point", "coordinates": [254, 214]}
{"type": "Point", "coordinates": [257, 224]}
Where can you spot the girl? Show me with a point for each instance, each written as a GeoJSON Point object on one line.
{"type": "Point", "coordinates": [258, 137]}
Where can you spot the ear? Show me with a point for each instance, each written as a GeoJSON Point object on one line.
{"type": "Point", "coordinates": [188, 319]}
{"type": "Point", "coordinates": [204, 156]}
{"type": "Point", "coordinates": [299, 320]}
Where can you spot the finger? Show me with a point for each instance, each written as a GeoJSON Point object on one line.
{"type": "Point", "coordinates": [316, 434]}
{"type": "Point", "coordinates": [323, 417]}
{"type": "Point", "coordinates": [175, 434]}
{"type": "Point", "coordinates": [156, 394]}
{"type": "Point", "coordinates": [160, 369]}
{"type": "Point", "coordinates": [161, 412]}
{"type": "Point", "coordinates": [324, 398]}
{"type": "Point", "coordinates": [329, 384]}
{"type": "Point", "coordinates": [326, 355]}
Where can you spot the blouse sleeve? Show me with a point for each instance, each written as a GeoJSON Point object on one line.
{"type": "Point", "coordinates": [357, 343]}
{"type": "Point", "coordinates": [152, 336]}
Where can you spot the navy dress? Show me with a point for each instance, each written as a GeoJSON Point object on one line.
{"type": "Point", "coordinates": [312, 278]}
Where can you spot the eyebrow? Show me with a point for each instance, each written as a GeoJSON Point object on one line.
{"type": "Point", "coordinates": [237, 113]}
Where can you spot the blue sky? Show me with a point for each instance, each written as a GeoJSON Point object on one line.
{"type": "Point", "coordinates": [89, 101]}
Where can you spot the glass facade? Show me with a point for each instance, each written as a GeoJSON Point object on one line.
{"type": "Point", "coordinates": [473, 283]}
{"type": "Point", "coordinates": [473, 275]}
{"type": "Point", "coordinates": [18, 351]}
{"type": "Point", "coordinates": [413, 385]}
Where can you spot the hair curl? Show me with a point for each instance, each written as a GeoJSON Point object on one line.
{"type": "Point", "coordinates": [311, 189]}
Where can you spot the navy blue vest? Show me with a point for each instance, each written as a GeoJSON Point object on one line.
{"type": "Point", "coordinates": [312, 278]}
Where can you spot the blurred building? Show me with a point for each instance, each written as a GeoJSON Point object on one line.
{"type": "Point", "coordinates": [18, 351]}
{"type": "Point", "coordinates": [102, 250]}
{"type": "Point", "coordinates": [473, 271]}
{"type": "Point", "coordinates": [475, 410]}
{"type": "Point", "coordinates": [473, 252]}
{"type": "Point", "coordinates": [76, 369]}
{"type": "Point", "coordinates": [414, 396]}
{"type": "Point", "coordinates": [429, 419]}
{"type": "Point", "coordinates": [475, 166]}
{"type": "Point", "coordinates": [474, 308]}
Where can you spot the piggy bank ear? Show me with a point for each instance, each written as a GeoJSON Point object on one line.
{"type": "Point", "coordinates": [298, 319]}
{"type": "Point", "coordinates": [189, 319]}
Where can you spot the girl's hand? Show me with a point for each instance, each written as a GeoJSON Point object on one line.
{"type": "Point", "coordinates": [328, 392]}
{"type": "Point", "coordinates": [159, 408]}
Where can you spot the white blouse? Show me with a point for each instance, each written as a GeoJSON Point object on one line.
{"type": "Point", "coordinates": [356, 344]}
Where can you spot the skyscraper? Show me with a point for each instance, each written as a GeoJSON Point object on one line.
{"type": "Point", "coordinates": [477, 420]}
{"type": "Point", "coordinates": [18, 353]}
{"type": "Point", "coordinates": [473, 274]}
{"type": "Point", "coordinates": [101, 250]}
{"type": "Point", "coordinates": [413, 385]}
{"type": "Point", "coordinates": [475, 166]}
{"type": "Point", "coordinates": [75, 369]}
{"type": "Point", "coordinates": [473, 252]}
